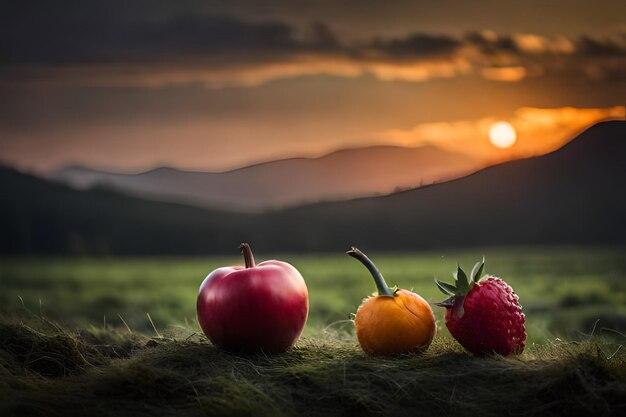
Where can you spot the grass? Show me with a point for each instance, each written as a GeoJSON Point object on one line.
{"type": "Point", "coordinates": [75, 339]}
{"type": "Point", "coordinates": [47, 370]}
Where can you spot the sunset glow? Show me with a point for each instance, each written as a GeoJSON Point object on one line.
{"type": "Point", "coordinates": [206, 88]}
{"type": "Point", "coordinates": [537, 131]}
{"type": "Point", "coordinates": [502, 135]}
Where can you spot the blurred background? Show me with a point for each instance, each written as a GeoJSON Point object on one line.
{"type": "Point", "coordinates": [141, 142]}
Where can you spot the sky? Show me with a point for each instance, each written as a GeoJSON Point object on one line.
{"type": "Point", "coordinates": [214, 85]}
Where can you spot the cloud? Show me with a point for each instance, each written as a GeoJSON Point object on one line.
{"type": "Point", "coordinates": [122, 45]}
{"type": "Point", "coordinates": [515, 57]}
{"type": "Point", "coordinates": [414, 45]}
{"type": "Point", "coordinates": [538, 131]}
{"type": "Point", "coordinates": [504, 73]}
{"type": "Point", "coordinates": [178, 38]}
{"type": "Point", "coordinates": [491, 43]}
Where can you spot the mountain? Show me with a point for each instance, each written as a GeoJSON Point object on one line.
{"type": "Point", "coordinates": [572, 196]}
{"type": "Point", "coordinates": [340, 175]}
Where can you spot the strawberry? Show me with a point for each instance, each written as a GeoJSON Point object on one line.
{"type": "Point", "coordinates": [483, 314]}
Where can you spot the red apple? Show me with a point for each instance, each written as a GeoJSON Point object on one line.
{"type": "Point", "coordinates": [256, 307]}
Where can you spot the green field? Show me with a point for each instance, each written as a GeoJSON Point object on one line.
{"type": "Point", "coordinates": [75, 339]}
{"type": "Point", "coordinates": [563, 291]}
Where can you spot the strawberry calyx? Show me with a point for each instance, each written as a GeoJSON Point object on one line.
{"type": "Point", "coordinates": [463, 285]}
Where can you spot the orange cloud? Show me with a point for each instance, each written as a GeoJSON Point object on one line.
{"type": "Point", "coordinates": [504, 73]}
{"type": "Point", "coordinates": [536, 44]}
{"type": "Point", "coordinates": [246, 75]}
{"type": "Point", "coordinates": [538, 131]}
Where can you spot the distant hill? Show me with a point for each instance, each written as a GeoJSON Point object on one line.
{"type": "Point", "coordinates": [340, 175]}
{"type": "Point", "coordinates": [572, 196]}
{"type": "Point", "coordinates": [40, 217]}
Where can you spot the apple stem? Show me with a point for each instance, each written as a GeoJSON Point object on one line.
{"type": "Point", "coordinates": [383, 288]}
{"type": "Point", "coordinates": [247, 255]}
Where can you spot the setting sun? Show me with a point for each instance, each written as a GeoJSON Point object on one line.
{"type": "Point", "coordinates": [502, 135]}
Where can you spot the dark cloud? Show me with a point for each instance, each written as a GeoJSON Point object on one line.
{"type": "Point", "coordinates": [86, 36]}
{"type": "Point", "coordinates": [323, 36]}
{"type": "Point", "coordinates": [490, 43]}
{"type": "Point", "coordinates": [416, 45]}
{"type": "Point", "coordinates": [152, 43]}
{"type": "Point", "coordinates": [602, 46]}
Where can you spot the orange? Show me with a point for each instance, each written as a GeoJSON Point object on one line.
{"type": "Point", "coordinates": [389, 325]}
{"type": "Point", "coordinates": [392, 322]}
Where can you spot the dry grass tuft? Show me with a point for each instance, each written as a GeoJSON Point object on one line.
{"type": "Point", "coordinates": [46, 369]}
